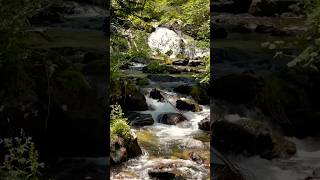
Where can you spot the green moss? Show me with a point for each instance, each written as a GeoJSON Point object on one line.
{"type": "Point", "coordinates": [203, 136]}
{"type": "Point", "coordinates": [156, 68]}
{"type": "Point", "coordinates": [142, 82]}
{"type": "Point", "coordinates": [199, 94]}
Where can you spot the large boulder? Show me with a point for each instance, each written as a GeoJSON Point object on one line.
{"type": "Point", "coordinates": [127, 94]}
{"type": "Point", "coordinates": [250, 137]}
{"type": "Point", "coordinates": [137, 119]}
{"type": "Point", "coordinates": [171, 118]}
{"type": "Point", "coordinates": [185, 106]}
{"type": "Point", "coordinates": [135, 100]}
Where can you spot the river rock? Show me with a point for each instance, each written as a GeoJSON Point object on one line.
{"type": "Point", "coordinates": [161, 175]}
{"type": "Point", "coordinates": [205, 124]}
{"type": "Point", "coordinates": [231, 137]}
{"type": "Point", "coordinates": [171, 118]}
{"type": "Point", "coordinates": [181, 62]}
{"type": "Point", "coordinates": [118, 151]}
{"type": "Point", "coordinates": [183, 89]}
{"type": "Point", "coordinates": [196, 157]}
{"type": "Point", "coordinates": [200, 94]}
{"type": "Point", "coordinates": [135, 100]}
{"type": "Point", "coordinates": [137, 119]}
{"type": "Point", "coordinates": [156, 94]}
{"type": "Point", "coordinates": [121, 151]}
{"type": "Point", "coordinates": [185, 106]}
{"type": "Point", "coordinates": [194, 63]}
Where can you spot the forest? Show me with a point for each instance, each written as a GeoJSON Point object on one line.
{"type": "Point", "coordinates": [160, 89]}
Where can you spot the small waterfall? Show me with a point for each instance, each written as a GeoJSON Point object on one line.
{"type": "Point", "coordinates": [165, 40]}
{"type": "Point", "coordinates": [168, 143]}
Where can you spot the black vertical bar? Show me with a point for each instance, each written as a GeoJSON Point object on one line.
{"type": "Point", "coordinates": [106, 27]}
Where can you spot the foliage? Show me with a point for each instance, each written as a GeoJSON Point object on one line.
{"type": "Point", "coordinates": [197, 14]}
{"type": "Point", "coordinates": [21, 162]}
{"type": "Point", "coordinates": [140, 47]}
{"type": "Point", "coordinates": [156, 68]}
{"type": "Point", "coordinates": [205, 76]}
{"type": "Point", "coordinates": [13, 28]}
{"type": "Point", "coordinates": [118, 124]}
{"type": "Point", "coordinates": [310, 58]}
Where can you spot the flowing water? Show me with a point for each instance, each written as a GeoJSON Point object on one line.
{"type": "Point", "coordinates": [168, 147]}
{"type": "Point", "coordinates": [165, 40]}
{"type": "Point", "coordinates": [298, 167]}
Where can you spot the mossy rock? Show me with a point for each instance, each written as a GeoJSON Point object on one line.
{"type": "Point", "coordinates": [142, 81]}
{"type": "Point", "coordinates": [72, 80]}
{"type": "Point", "coordinates": [200, 95]}
{"type": "Point", "coordinates": [128, 95]}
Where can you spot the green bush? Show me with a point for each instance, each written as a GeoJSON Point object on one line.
{"type": "Point", "coordinates": [155, 68]}
{"type": "Point", "coordinates": [119, 125]}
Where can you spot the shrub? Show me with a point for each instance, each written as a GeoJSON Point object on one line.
{"type": "Point", "coordinates": [21, 162]}
{"type": "Point", "coordinates": [155, 68]}
{"type": "Point", "coordinates": [119, 125]}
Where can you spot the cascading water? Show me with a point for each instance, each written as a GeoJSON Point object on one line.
{"type": "Point", "coordinates": [164, 145]}
{"type": "Point", "coordinates": [165, 40]}
{"type": "Point", "coordinates": [298, 167]}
